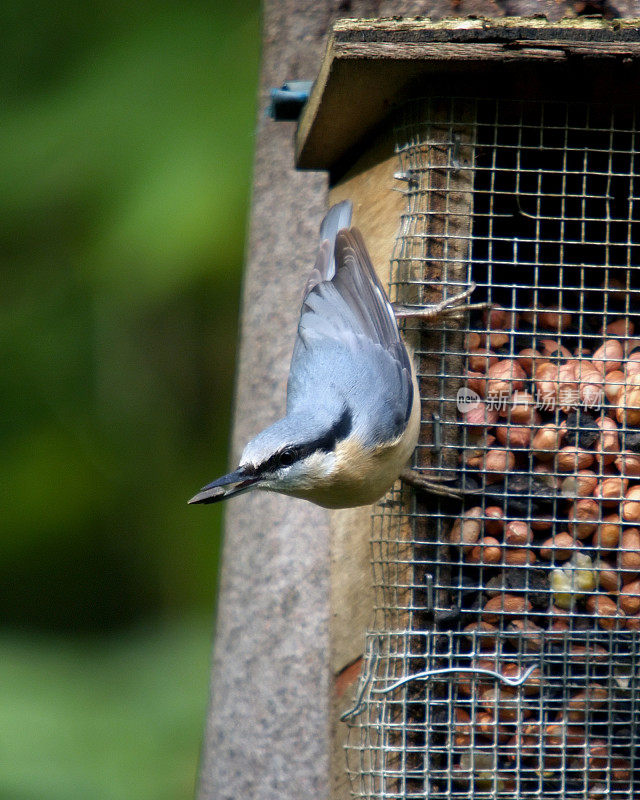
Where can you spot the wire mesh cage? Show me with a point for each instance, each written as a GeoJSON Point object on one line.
{"type": "Point", "coordinates": [503, 659]}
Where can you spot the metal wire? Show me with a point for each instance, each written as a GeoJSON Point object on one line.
{"type": "Point", "coordinates": [538, 575]}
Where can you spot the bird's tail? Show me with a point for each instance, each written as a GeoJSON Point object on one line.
{"type": "Point", "coordinates": [337, 218]}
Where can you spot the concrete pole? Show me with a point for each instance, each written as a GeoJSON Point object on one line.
{"type": "Point", "coordinates": [266, 728]}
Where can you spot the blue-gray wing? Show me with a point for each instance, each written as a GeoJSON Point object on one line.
{"type": "Point", "coordinates": [348, 352]}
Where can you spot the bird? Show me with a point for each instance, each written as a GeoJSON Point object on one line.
{"type": "Point", "coordinates": [353, 406]}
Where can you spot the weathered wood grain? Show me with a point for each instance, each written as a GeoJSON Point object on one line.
{"type": "Point", "coordinates": [370, 65]}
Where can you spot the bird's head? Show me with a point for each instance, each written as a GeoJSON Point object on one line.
{"type": "Point", "coordinates": [292, 456]}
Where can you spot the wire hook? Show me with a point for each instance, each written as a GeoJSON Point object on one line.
{"type": "Point", "coordinates": [423, 676]}
{"type": "Point", "coordinates": [366, 679]}
{"type": "Point", "coordinates": [434, 673]}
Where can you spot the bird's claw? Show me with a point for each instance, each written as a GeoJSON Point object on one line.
{"type": "Point", "coordinates": [435, 484]}
{"type": "Point", "coordinates": [452, 307]}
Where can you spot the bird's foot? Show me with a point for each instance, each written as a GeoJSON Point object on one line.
{"type": "Point", "coordinates": [435, 484]}
{"type": "Point", "coordinates": [452, 307]}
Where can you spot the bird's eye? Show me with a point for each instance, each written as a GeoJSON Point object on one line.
{"type": "Point", "coordinates": [286, 459]}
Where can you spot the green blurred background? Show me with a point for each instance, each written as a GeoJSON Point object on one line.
{"type": "Point", "coordinates": [125, 155]}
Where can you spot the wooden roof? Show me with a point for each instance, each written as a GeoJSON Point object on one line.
{"type": "Point", "coordinates": [368, 64]}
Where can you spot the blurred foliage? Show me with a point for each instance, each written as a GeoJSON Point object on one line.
{"type": "Point", "coordinates": [83, 721]}
{"type": "Point", "coordinates": [126, 136]}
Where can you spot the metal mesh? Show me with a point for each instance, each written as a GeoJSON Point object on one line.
{"type": "Point", "coordinates": [533, 410]}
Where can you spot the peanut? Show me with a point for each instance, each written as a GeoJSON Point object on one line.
{"type": "Point", "coordinates": [554, 319]}
{"type": "Point", "coordinates": [519, 557]}
{"type": "Point", "coordinates": [481, 358]}
{"type": "Point", "coordinates": [502, 699]}
{"type": "Point", "coordinates": [466, 530]}
{"type": "Point", "coordinates": [632, 367]}
{"type": "Point", "coordinates": [559, 547]}
{"type": "Point", "coordinates": [621, 771]}
{"type": "Point", "coordinates": [609, 531]}
{"type": "Point", "coordinates": [496, 317]}
{"type": "Point", "coordinates": [630, 507]}
{"type": "Point", "coordinates": [494, 520]}
{"type": "Point", "coordinates": [593, 696]}
{"type": "Point", "coordinates": [628, 463]}
{"type": "Point", "coordinates": [558, 628]}
{"type": "Point", "coordinates": [582, 484]}
{"type": "Point", "coordinates": [487, 551]}
{"type": "Point", "coordinates": [532, 683]}
{"type": "Point", "coordinates": [597, 758]}
{"type": "Point", "coordinates": [534, 733]}
{"type": "Point", "coordinates": [608, 576]}
{"type": "Point", "coordinates": [620, 327]}
{"type": "Point", "coordinates": [547, 440]}
{"type": "Point", "coordinates": [572, 459]}
{"type": "Point", "coordinates": [556, 385]}
{"type": "Point", "coordinates": [505, 604]}
{"type": "Point", "coordinates": [473, 341]}
{"type": "Point", "coordinates": [542, 522]}
{"type": "Point", "coordinates": [495, 340]}
{"type": "Point", "coordinates": [518, 533]}
{"type": "Point", "coordinates": [462, 729]}
{"type": "Point", "coordinates": [504, 377]}
{"type": "Point", "coordinates": [550, 348]}
{"type": "Point", "coordinates": [632, 623]}
{"type": "Point", "coordinates": [477, 382]}
{"type": "Point", "coordinates": [583, 517]}
{"type": "Point", "coordinates": [480, 416]}
{"type": "Point", "coordinates": [628, 410]}
{"type": "Point", "coordinates": [498, 462]}
{"type": "Point", "coordinates": [521, 409]}
{"type": "Point", "coordinates": [481, 633]}
{"type": "Point", "coordinates": [580, 653]}
{"type": "Point", "coordinates": [473, 458]}
{"type": "Point", "coordinates": [561, 735]}
{"type": "Point", "coordinates": [527, 358]}
{"type": "Point", "coordinates": [614, 287]}
{"type": "Point", "coordinates": [492, 729]}
{"type": "Point", "coordinates": [605, 610]}
{"type": "Point", "coordinates": [629, 597]}
{"type": "Point", "coordinates": [530, 632]}
{"type": "Point", "coordinates": [608, 357]}
{"type": "Point", "coordinates": [591, 390]}
{"type": "Point", "coordinates": [613, 385]}
{"type": "Point", "coordinates": [629, 553]}
{"type": "Point", "coordinates": [608, 444]}
{"type": "Point", "coordinates": [611, 490]}
{"type": "Point", "coordinates": [516, 436]}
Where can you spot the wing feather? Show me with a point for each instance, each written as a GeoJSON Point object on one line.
{"type": "Point", "coordinates": [348, 351]}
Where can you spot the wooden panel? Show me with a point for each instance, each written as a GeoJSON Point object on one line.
{"type": "Point", "coordinates": [442, 248]}
{"type": "Point", "coordinates": [377, 208]}
{"type": "Point", "coordinates": [369, 65]}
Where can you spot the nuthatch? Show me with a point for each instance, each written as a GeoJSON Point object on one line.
{"type": "Point", "coordinates": [353, 407]}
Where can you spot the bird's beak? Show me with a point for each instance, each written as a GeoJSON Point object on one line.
{"type": "Point", "coordinates": [227, 486]}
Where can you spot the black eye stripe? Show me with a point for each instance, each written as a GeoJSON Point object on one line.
{"type": "Point", "coordinates": [325, 443]}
